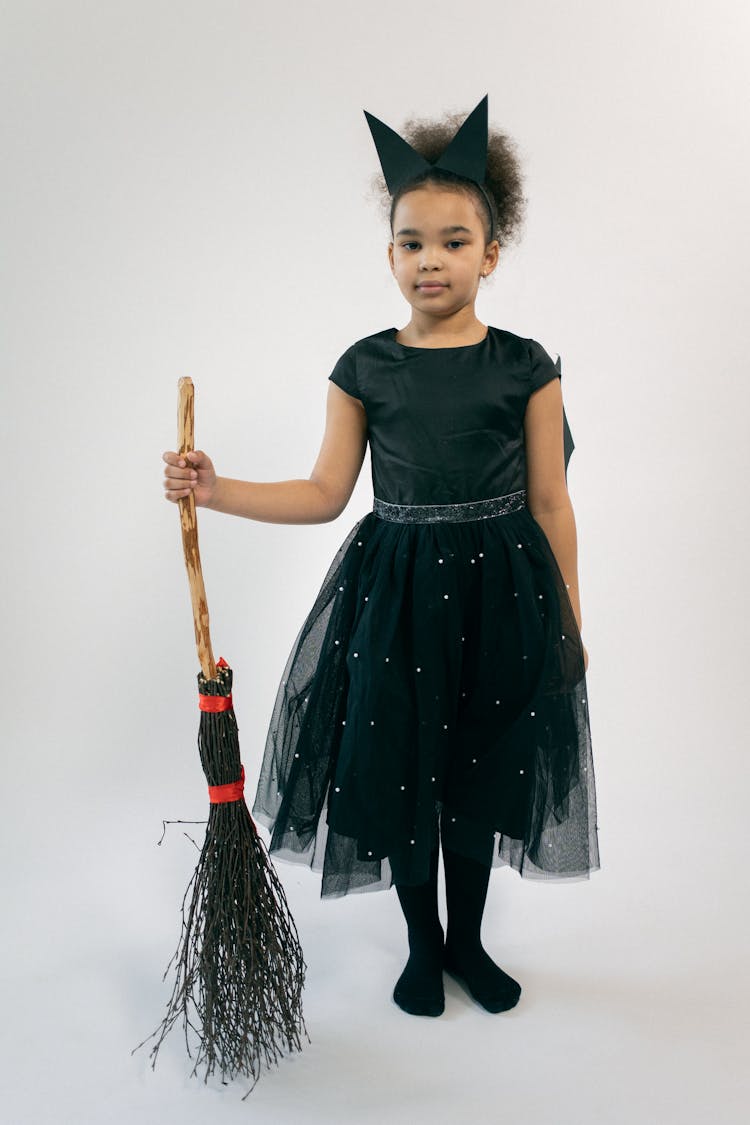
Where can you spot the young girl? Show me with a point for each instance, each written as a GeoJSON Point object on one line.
{"type": "Point", "coordinates": [435, 694]}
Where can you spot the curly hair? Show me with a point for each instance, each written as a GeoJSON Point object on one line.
{"type": "Point", "coordinates": [503, 179]}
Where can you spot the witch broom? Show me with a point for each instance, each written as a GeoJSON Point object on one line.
{"type": "Point", "coordinates": [239, 965]}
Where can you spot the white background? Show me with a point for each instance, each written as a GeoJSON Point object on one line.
{"type": "Point", "coordinates": [186, 191]}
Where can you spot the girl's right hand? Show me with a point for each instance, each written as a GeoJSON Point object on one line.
{"type": "Point", "coordinates": [189, 472]}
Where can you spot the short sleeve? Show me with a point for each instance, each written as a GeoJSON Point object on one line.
{"type": "Point", "coordinates": [542, 368]}
{"type": "Point", "coordinates": [344, 373]}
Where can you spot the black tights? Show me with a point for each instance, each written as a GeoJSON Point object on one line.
{"type": "Point", "coordinates": [419, 989]}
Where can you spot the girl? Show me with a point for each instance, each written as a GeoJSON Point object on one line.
{"type": "Point", "coordinates": [436, 691]}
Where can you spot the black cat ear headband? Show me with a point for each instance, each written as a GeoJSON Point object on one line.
{"type": "Point", "coordinates": [465, 156]}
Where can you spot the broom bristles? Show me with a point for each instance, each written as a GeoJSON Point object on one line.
{"type": "Point", "coordinates": [239, 965]}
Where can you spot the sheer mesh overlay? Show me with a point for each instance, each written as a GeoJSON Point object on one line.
{"type": "Point", "coordinates": [437, 686]}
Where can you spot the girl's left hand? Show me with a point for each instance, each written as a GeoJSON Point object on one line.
{"type": "Point", "coordinates": [585, 657]}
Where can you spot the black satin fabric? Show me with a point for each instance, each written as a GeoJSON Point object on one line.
{"type": "Point", "coordinates": [445, 424]}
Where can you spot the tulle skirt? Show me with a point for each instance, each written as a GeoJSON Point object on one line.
{"type": "Point", "coordinates": [436, 690]}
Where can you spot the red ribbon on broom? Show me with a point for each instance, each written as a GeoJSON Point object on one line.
{"type": "Point", "coordinates": [239, 966]}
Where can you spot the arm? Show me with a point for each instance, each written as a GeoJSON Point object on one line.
{"type": "Point", "coordinates": [546, 488]}
{"type": "Point", "coordinates": [320, 498]}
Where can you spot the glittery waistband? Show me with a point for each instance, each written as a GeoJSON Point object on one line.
{"type": "Point", "coordinates": [453, 513]}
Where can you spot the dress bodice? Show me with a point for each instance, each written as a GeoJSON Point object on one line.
{"type": "Point", "coordinates": [445, 425]}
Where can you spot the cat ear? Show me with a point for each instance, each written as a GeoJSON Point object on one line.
{"type": "Point", "coordinates": [398, 159]}
{"type": "Point", "coordinates": [466, 155]}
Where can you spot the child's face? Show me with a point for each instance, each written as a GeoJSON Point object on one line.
{"type": "Point", "coordinates": [438, 268]}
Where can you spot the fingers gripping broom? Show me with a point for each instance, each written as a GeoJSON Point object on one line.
{"type": "Point", "coordinates": [239, 966]}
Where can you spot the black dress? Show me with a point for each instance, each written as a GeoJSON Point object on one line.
{"type": "Point", "coordinates": [437, 684]}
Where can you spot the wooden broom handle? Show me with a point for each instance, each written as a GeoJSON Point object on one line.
{"type": "Point", "coordinates": [189, 523]}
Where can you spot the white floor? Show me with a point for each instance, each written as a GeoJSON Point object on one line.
{"type": "Point", "coordinates": [634, 1004]}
